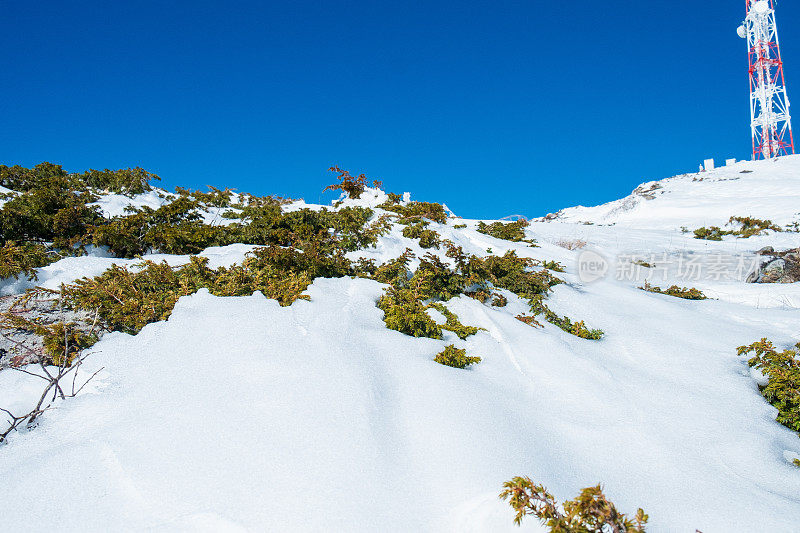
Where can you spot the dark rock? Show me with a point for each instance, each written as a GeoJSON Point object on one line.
{"type": "Point", "coordinates": [784, 267]}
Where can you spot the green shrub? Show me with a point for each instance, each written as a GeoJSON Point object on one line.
{"type": "Point", "coordinates": [714, 233]}
{"type": "Point", "coordinates": [578, 328]}
{"type": "Point", "coordinates": [395, 271]}
{"type": "Point", "coordinates": [174, 228]}
{"type": "Point", "coordinates": [479, 294]}
{"type": "Point", "coordinates": [782, 369]}
{"type": "Point", "coordinates": [453, 323]}
{"type": "Point", "coordinates": [59, 339]}
{"type": "Point", "coordinates": [460, 226]}
{"type": "Point", "coordinates": [127, 301]}
{"type": "Point", "coordinates": [752, 226]}
{"type": "Point", "coordinates": [66, 340]}
{"type": "Point", "coordinates": [414, 211]}
{"type": "Point", "coordinates": [41, 176]}
{"type": "Point", "coordinates": [512, 273]}
{"type": "Point", "coordinates": [214, 197]}
{"type": "Point", "coordinates": [128, 181]}
{"type": "Point", "coordinates": [50, 209]}
{"type": "Point", "coordinates": [435, 279]}
{"type": "Point", "coordinates": [354, 186]}
{"type": "Point", "coordinates": [678, 292]}
{"type": "Point", "coordinates": [394, 199]}
{"type": "Point", "coordinates": [427, 237]}
{"type": "Point", "coordinates": [499, 301]}
{"type": "Point", "coordinates": [512, 231]}
{"type": "Point", "coordinates": [555, 266]}
{"type": "Point", "coordinates": [590, 512]}
{"type": "Point", "coordinates": [23, 259]}
{"type": "Point", "coordinates": [748, 227]}
{"type": "Point", "coordinates": [456, 358]}
{"type": "Point", "coordinates": [404, 312]}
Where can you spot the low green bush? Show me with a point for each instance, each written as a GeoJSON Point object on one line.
{"type": "Point", "coordinates": [404, 312]}
{"type": "Point", "coordinates": [511, 231]}
{"type": "Point", "coordinates": [354, 186]}
{"type": "Point", "coordinates": [579, 328]}
{"type": "Point", "coordinates": [453, 323]}
{"type": "Point", "coordinates": [455, 357]}
{"type": "Point", "coordinates": [590, 512]}
{"type": "Point", "coordinates": [782, 369]}
{"type": "Point", "coordinates": [677, 292]}
{"type": "Point", "coordinates": [427, 237]}
{"type": "Point", "coordinates": [23, 259]}
{"type": "Point", "coordinates": [414, 211]}
{"type": "Point", "coordinates": [748, 227]}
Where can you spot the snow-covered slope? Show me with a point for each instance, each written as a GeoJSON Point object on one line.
{"type": "Point", "coordinates": [762, 189]}
{"type": "Point", "coordinates": [237, 414]}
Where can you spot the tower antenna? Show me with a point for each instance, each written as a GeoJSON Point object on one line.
{"type": "Point", "coordinates": [770, 122]}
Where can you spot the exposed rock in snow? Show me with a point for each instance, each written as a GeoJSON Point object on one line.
{"type": "Point", "coordinates": [784, 267]}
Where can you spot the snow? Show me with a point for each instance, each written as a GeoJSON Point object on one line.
{"type": "Point", "coordinates": [371, 198]}
{"type": "Point", "coordinates": [237, 414]}
{"type": "Point", "coordinates": [762, 189]}
{"type": "Point", "coordinates": [114, 205]}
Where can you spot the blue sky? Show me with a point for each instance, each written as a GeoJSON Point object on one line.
{"type": "Point", "coordinates": [492, 107]}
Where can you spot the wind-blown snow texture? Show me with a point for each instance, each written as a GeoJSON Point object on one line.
{"type": "Point", "coordinates": [238, 414]}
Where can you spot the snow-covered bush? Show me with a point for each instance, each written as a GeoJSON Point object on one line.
{"type": "Point", "coordinates": [129, 300]}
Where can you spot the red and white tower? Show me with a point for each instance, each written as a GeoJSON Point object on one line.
{"type": "Point", "coordinates": [770, 122]}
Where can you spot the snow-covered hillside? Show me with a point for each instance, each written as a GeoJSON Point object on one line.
{"type": "Point", "coordinates": [763, 189]}
{"type": "Point", "coordinates": [236, 414]}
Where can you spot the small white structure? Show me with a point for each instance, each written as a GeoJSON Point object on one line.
{"type": "Point", "coordinates": [708, 164]}
{"type": "Point", "coordinates": [729, 162]}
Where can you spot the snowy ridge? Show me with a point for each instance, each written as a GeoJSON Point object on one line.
{"type": "Point", "coordinates": [236, 414]}
{"type": "Point", "coordinates": [761, 189]}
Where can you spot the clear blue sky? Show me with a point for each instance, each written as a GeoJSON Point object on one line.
{"type": "Point", "coordinates": [494, 107]}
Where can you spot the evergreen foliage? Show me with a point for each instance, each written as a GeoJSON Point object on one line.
{"type": "Point", "coordinates": [23, 259]}
{"type": "Point", "coordinates": [414, 211]}
{"type": "Point", "coordinates": [748, 227]}
{"type": "Point", "coordinates": [455, 357]}
{"type": "Point", "coordinates": [590, 512]}
{"type": "Point", "coordinates": [782, 369]}
{"type": "Point", "coordinates": [354, 186]}
{"type": "Point", "coordinates": [512, 231]}
{"type": "Point", "coordinates": [427, 237]}
{"type": "Point", "coordinates": [405, 312]}
{"type": "Point", "coordinates": [579, 328]}
{"type": "Point", "coordinates": [453, 323]}
{"type": "Point", "coordinates": [678, 292]}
